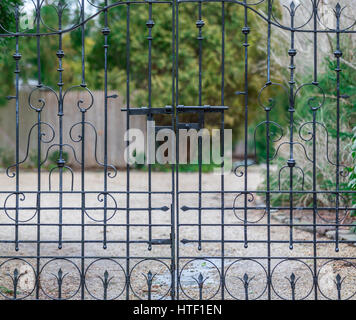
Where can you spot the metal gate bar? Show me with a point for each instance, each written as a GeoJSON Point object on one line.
{"type": "Point", "coordinates": [137, 272]}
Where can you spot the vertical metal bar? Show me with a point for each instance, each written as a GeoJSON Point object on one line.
{"type": "Point", "coordinates": [200, 25]}
{"type": "Point", "coordinates": [268, 205]}
{"type": "Point", "coordinates": [83, 157]}
{"type": "Point", "coordinates": [338, 54]}
{"type": "Point", "coordinates": [127, 146]}
{"type": "Point", "coordinates": [291, 162]}
{"type": "Point", "coordinates": [150, 24]}
{"type": "Point", "coordinates": [106, 32]}
{"type": "Point", "coordinates": [315, 82]}
{"type": "Point", "coordinates": [176, 4]}
{"type": "Point", "coordinates": [315, 43]}
{"type": "Point", "coordinates": [246, 31]}
{"type": "Point", "coordinates": [17, 57]}
{"type": "Point", "coordinates": [82, 17]}
{"type": "Point", "coordinates": [39, 136]}
{"type": "Point", "coordinates": [60, 162]}
{"type": "Point", "coordinates": [173, 247]}
{"type": "Point", "coordinates": [269, 9]}
{"type": "Point", "coordinates": [222, 149]}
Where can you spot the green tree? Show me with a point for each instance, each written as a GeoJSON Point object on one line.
{"type": "Point", "coordinates": [48, 49]}
{"type": "Point", "coordinates": [188, 57]}
{"type": "Point", "coordinates": [7, 22]}
{"type": "Point", "coordinates": [161, 56]}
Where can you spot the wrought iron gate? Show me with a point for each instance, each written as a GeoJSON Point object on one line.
{"type": "Point", "coordinates": [63, 258]}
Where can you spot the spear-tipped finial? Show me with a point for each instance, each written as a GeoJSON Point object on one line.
{"type": "Point", "coordinates": [16, 273]}
{"type": "Point", "coordinates": [245, 278]}
{"type": "Point", "coordinates": [338, 284]}
{"type": "Point", "coordinates": [200, 278]}
{"type": "Point", "coordinates": [292, 277]}
{"type": "Point", "coordinates": [338, 10]}
{"type": "Point", "coordinates": [149, 275]}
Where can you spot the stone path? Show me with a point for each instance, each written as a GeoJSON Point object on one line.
{"type": "Point", "coordinates": [113, 260]}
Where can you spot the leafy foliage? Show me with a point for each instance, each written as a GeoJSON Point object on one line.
{"type": "Point", "coordinates": [352, 170]}
{"type": "Point", "coordinates": [162, 56]}
{"type": "Point", "coordinates": [188, 58]}
{"type": "Point", "coordinates": [325, 149]}
{"type": "Point", "coordinates": [7, 20]}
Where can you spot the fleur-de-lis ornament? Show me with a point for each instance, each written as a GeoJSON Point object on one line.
{"type": "Point", "coordinates": [149, 279]}
{"type": "Point", "coordinates": [60, 277]}
{"type": "Point", "coordinates": [106, 282]}
{"type": "Point", "coordinates": [293, 281]}
{"type": "Point", "coordinates": [200, 281]}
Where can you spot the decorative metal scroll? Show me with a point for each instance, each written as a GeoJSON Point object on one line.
{"type": "Point", "coordinates": [96, 269]}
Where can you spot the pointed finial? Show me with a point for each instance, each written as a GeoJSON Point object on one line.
{"type": "Point", "coordinates": [150, 276]}
{"type": "Point", "coordinates": [200, 278]}
{"type": "Point", "coordinates": [338, 277]}
{"type": "Point", "coordinates": [338, 10]}
{"type": "Point", "coordinates": [245, 277]}
{"type": "Point", "coordinates": [292, 277]}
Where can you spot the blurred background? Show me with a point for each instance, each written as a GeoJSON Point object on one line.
{"type": "Point", "coordinates": [188, 93]}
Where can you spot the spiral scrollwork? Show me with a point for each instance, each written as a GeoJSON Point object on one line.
{"type": "Point", "coordinates": [113, 208]}
{"type": "Point", "coordinates": [83, 104]}
{"type": "Point", "coordinates": [239, 212]}
{"type": "Point", "coordinates": [41, 101]}
{"type": "Point", "coordinates": [21, 197]}
{"type": "Point", "coordinates": [239, 170]}
{"type": "Point", "coordinates": [42, 139]}
{"type": "Point", "coordinates": [112, 173]}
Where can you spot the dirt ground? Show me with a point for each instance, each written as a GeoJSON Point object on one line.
{"type": "Point", "coordinates": [244, 250]}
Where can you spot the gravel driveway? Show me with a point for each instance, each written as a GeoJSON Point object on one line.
{"type": "Point", "coordinates": [68, 263]}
